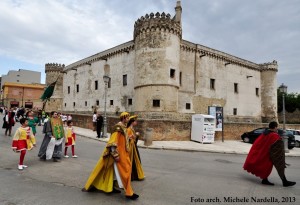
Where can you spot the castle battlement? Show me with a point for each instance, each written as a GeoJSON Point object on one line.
{"type": "Point", "coordinates": [269, 66]}
{"type": "Point", "coordinates": [54, 67]}
{"type": "Point", "coordinates": [153, 22]}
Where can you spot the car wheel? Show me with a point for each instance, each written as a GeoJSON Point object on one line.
{"type": "Point", "coordinates": [297, 144]}
{"type": "Point", "coordinates": [289, 147]}
{"type": "Point", "coordinates": [246, 139]}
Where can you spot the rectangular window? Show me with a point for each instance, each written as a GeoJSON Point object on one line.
{"type": "Point", "coordinates": [111, 102]}
{"type": "Point", "coordinates": [85, 103]}
{"type": "Point", "coordinates": [96, 84]}
{"type": "Point", "coordinates": [109, 83]}
{"type": "Point", "coordinates": [234, 111]}
{"type": "Point", "coordinates": [172, 73]}
{"type": "Point", "coordinates": [188, 106]}
{"type": "Point", "coordinates": [68, 89]}
{"type": "Point", "coordinates": [257, 91]}
{"type": "Point", "coordinates": [73, 104]}
{"type": "Point", "coordinates": [77, 87]}
{"type": "Point", "coordinates": [129, 101]}
{"type": "Point", "coordinates": [236, 88]}
{"type": "Point", "coordinates": [124, 80]}
{"type": "Point", "coordinates": [156, 103]}
{"type": "Point", "coordinates": [180, 78]}
{"type": "Point", "coordinates": [65, 104]}
{"type": "Point", "coordinates": [212, 84]}
{"type": "Point", "coordinates": [97, 102]}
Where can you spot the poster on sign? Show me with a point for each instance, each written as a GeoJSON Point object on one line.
{"type": "Point", "coordinates": [218, 113]}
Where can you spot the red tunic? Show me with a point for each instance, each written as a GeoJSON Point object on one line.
{"type": "Point", "coordinates": [258, 161]}
{"type": "Point", "coordinates": [70, 136]}
{"type": "Point", "coordinates": [23, 139]}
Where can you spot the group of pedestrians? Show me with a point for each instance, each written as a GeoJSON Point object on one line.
{"type": "Point", "coordinates": [119, 163]}
{"type": "Point", "coordinates": [55, 134]}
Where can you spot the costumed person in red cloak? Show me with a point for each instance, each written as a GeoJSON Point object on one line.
{"type": "Point", "coordinates": [266, 151]}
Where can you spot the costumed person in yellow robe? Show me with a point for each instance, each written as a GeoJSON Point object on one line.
{"type": "Point", "coordinates": [70, 139]}
{"type": "Point", "coordinates": [23, 140]}
{"type": "Point", "coordinates": [137, 172]}
{"type": "Point", "coordinates": [114, 161]}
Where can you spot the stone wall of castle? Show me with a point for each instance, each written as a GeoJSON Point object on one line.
{"type": "Point", "coordinates": [175, 130]}
{"type": "Point", "coordinates": [87, 74]}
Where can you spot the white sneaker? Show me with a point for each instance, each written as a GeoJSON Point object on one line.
{"type": "Point", "coordinates": [66, 156]}
{"type": "Point", "coordinates": [74, 156]}
{"type": "Point", "coordinates": [20, 167]}
{"type": "Point", "coordinates": [24, 166]}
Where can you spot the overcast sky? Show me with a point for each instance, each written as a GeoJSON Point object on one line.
{"type": "Point", "coordinates": [36, 32]}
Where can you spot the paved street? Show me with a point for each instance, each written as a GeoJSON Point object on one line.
{"type": "Point", "coordinates": [172, 177]}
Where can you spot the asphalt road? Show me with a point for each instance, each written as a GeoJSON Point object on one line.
{"type": "Point", "coordinates": [172, 177]}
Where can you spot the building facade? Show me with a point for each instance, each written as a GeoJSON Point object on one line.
{"type": "Point", "coordinates": [159, 75]}
{"type": "Point", "coordinates": [22, 95]}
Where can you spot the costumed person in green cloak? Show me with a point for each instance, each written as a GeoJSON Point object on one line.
{"type": "Point", "coordinates": [51, 146]}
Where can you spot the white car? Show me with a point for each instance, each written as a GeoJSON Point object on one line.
{"type": "Point", "coordinates": [296, 133]}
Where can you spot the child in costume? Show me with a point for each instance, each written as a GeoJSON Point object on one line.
{"type": "Point", "coordinates": [70, 139]}
{"type": "Point", "coordinates": [23, 140]}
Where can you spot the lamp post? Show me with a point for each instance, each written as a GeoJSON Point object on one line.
{"type": "Point", "coordinates": [106, 80]}
{"type": "Point", "coordinates": [283, 90]}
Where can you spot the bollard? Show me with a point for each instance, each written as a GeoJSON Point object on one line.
{"type": "Point", "coordinates": [285, 142]}
{"type": "Point", "coordinates": [148, 137]}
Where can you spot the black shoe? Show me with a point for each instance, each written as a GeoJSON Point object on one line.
{"type": "Point", "coordinates": [133, 197]}
{"type": "Point", "coordinates": [43, 158]}
{"type": "Point", "coordinates": [266, 182]}
{"type": "Point", "coordinates": [55, 160]}
{"type": "Point", "coordinates": [115, 191]}
{"type": "Point", "coordinates": [288, 183]}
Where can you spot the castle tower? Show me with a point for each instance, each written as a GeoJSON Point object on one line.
{"type": "Point", "coordinates": [54, 72]}
{"type": "Point", "coordinates": [269, 91]}
{"type": "Point", "coordinates": [157, 41]}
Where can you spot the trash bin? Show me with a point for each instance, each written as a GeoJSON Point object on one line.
{"type": "Point", "coordinates": [148, 137]}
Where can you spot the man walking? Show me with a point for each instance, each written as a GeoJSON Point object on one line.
{"type": "Point", "coordinates": [99, 125]}
{"type": "Point", "coordinates": [267, 150]}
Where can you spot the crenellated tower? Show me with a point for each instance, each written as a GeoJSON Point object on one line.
{"type": "Point", "coordinates": [269, 91]}
{"type": "Point", "coordinates": [157, 39]}
{"type": "Point", "coordinates": [54, 72]}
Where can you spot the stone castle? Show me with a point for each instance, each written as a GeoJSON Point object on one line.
{"type": "Point", "coordinates": [159, 75]}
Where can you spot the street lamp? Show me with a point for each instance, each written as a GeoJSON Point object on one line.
{"type": "Point", "coordinates": [106, 80]}
{"type": "Point", "coordinates": [283, 90]}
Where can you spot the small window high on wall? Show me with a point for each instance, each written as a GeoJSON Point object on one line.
{"type": "Point", "coordinates": [212, 84]}
{"type": "Point", "coordinates": [172, 73]}
{"type": "Point", "coordinates": [156, 103]}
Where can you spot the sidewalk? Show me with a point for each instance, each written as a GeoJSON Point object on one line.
{"type": "Point", "coordinates": [226, 147]}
